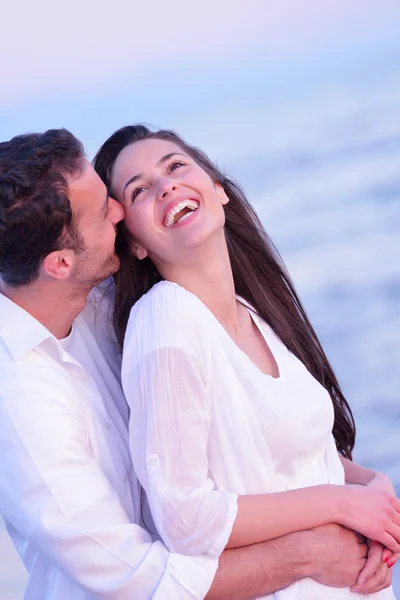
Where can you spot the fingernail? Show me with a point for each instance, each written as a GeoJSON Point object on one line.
{"type": "Point", "coordinates": [374, 542]}
{"type": "Point", "coordinates": [386, 559]}
{"type": "Point", "coordinates": [391, 563]}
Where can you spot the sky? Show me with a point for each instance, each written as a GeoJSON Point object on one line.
{"type": "Point", "coordinates": [94, 66]}
{"type": "Point", "coordinates": [47, 45]}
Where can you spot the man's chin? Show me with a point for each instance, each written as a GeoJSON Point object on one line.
{"type": "Point", "coordinates": [110, 269]}
{"type": "Point", "coordinates": [114, 264]}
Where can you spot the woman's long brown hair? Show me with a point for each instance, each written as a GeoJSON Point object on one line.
{"type": "Point", "coordinates": [259, 274]}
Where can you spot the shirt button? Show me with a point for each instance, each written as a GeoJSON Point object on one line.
{"type": "Point", "coordinates": [152, 461]}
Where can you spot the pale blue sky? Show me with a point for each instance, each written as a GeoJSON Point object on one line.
{"type": "Point", "coordinates": [202, 68]}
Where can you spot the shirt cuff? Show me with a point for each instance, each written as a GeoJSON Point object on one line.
{"type": "Point", "coordinates": [186, 577]}
{"type": "Point", "coordinates": [221, 542]}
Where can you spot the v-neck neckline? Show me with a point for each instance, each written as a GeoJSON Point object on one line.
{"type": "Point", "coordinates": [267, 340]}
{"type": "Point", "coordinates": [256, 320]}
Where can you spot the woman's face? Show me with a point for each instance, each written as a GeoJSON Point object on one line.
{"type": "Point", "coordinates": [172, 206]}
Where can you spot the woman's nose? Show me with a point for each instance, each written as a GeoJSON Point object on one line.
{"type": "Point", "coordinates": [165, 188]}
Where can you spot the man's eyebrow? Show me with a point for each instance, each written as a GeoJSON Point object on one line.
{"type": "Point", "coordinates": [160, 162]}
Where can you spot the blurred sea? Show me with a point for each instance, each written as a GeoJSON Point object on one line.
{"type": "Point", "coordinates": [328, 193]}
{"type": "Point", "coordinates": [324, 176]}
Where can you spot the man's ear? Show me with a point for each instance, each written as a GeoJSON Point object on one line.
{"type": "Point", "coordinates": [139, 251]}
{"type": "Point", "coordinates": [59, 264]}
{"type": "Point", "coordinates": [221, 193]}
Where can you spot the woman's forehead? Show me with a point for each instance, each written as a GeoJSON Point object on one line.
{"type": "Point", "coordinates": [137, 157]}
{"type": "Point", "coordinates": [145, 152]}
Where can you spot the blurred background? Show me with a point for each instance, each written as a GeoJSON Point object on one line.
{"type": "Point", "coordinates": [299, 101]}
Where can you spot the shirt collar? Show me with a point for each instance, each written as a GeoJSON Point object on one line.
{"type": "Point", "coordinates": [19, 330]}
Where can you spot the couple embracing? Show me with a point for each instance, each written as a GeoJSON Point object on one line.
{"type": "Point", "coordinates": [170, 426]}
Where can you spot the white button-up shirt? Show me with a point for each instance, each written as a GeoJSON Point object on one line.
{"type": "Point", "coordinates": [68, 493]}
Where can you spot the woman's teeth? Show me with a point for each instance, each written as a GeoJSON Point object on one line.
{"type": "Point", "coordinates": [186, 207]}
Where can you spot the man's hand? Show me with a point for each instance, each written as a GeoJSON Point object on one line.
{"type": "Point", "coordinates": [331, 554]}
{"type": "Point", "coordinates": [337, 555]}
{"type": "Point", "coordinates": [376, 575]}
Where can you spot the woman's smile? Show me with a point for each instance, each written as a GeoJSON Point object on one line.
{"type": "Point", "coordinates": [179, 211]}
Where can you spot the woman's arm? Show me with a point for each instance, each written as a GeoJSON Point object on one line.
{"type": "Point", "coordinates": [355, 473]}
{"type": "Point", "coordinates": [369, 511]}
{"type": "Point", "coordinates": [319, 505]}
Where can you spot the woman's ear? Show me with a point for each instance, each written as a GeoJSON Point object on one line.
{"type": "Point", "coordinates": [139, 251]}
{"type": "Point", "coordinates": [221, 193]}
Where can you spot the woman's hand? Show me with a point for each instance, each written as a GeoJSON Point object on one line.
{"type": "Point", "coordinates": [376, 575]}
{"type": "Point", "coordinates": [372, 512]}
{"type": "Point", "coordinates": [382, 482]}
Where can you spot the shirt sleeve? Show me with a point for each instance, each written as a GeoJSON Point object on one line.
{"type": "Point", "coordinates": [169, 431]}
{"type": "Point", "coordinates": [53, 491]}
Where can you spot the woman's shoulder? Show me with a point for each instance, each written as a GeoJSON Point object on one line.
{"type": "Point", "coordinates": [167, 299]}
{"type": "Point", "coordinates": [168, 315]}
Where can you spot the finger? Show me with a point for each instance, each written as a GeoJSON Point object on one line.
{"type": "Point", "coordinates": [387, 555]}
{"type": "Point", "coordinates": [391, 562]}
{"type": "Point", "coordinates": [389, 540]}
{"type": "Point", "coordinates": [396, 504]}
{"type": "Point", "coordinates": [372, 565]}
{"type": "Point", "coordinates": [395, 557]}
{"type": "Point", "coordinates": [396, 518]}
{"type": "Point", "coordinates": [379, 581]}
{"type": "Point", "coordinates": [363, 549]}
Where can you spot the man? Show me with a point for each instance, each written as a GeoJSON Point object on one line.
{"type": "Point", "coordinates": [67, 491]}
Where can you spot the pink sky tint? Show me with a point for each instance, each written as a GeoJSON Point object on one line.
{"type": "Point", "coordinates": [47, 46]}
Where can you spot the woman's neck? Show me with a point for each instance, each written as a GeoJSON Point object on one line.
{"type": "Point", "coordinates": [211, 280]}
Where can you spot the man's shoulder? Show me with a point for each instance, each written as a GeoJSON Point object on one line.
{"type": "Point", "coordinates": [37, 374]}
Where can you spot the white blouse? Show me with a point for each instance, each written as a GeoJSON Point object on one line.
{"type": "Point", "coordinates": [207, 425]}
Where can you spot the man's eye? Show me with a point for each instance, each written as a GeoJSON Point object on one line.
{"type": "Point", "coordinates": [175, 165]}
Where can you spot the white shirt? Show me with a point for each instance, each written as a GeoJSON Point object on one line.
{"type": "Point", "coordinates": [207, 424]}
{"type": "Point", "coordinates": [68, 493]}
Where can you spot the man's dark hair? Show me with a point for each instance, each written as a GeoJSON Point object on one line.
{"type": "Point", "coordinates": [35, 212]}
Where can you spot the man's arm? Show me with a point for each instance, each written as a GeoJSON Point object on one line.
{"type": "Point", "coordinates": [329, 554]}
{"type": "Point", "coordinates": [54, 492]}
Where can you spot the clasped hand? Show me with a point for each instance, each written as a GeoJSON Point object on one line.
{"type": "Point", "coordinates": [376, 575]}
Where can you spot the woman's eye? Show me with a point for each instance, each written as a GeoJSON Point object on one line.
{"type": "Point", "coordinates": [136, 192]}
{"type": "Point", "coordinates": [175, 165]}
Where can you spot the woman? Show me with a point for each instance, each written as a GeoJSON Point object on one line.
{"type": "Point", "coordinates": [239, 430]}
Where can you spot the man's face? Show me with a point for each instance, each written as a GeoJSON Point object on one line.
{"type": "Point", "coordinates": [96, 217]}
